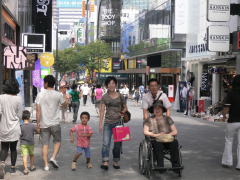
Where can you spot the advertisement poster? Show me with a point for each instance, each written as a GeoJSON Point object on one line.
{"type": "Point", "coordinates": [19, 78]}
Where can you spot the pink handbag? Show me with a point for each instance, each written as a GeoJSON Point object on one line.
{"type": "Point", "coordinates": [121, 133]}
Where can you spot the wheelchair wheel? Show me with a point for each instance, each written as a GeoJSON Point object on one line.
{"type": "Point", "coordinates": [149, 165]}
{"type": "Point", "coordinates": [180, 159]}
{"type": "Point", "coordinates": [141, 159]}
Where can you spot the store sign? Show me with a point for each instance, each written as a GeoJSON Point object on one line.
{"type": "Point", "coordinates": [116, 64]}
{"type": "Point", "coordinates": [218, 38]}
{"type": "Point", "coordinates": [15, 57]}
{"type": "Point", "coordinates": [42, 20]}
{"type": "Point", "coordinates": [36, 75]}
{"type": "Point", "coordinates": [218, 10]}
{"type": "Point", "coordinates": [34, 43]}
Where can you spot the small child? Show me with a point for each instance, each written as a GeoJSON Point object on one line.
{"type": "Point", "coordinates": [84, 133]}
{"type": "Point", "coordinates": [27, 141]}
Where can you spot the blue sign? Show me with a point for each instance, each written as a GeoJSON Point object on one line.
{"type": "Point", "coordinates": [69, 3]}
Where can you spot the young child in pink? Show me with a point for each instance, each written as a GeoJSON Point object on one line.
{"type": "Point", "coordinates": [83, 132]}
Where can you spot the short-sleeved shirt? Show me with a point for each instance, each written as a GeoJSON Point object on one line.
{"type": "Point", "coordinates": [75, 96]}
{"type": "Point", "coordinates": [98, 93]}
{"type": "Point", "coordinates": [27, 134]}
{"type": "Point", "coordinates": [49, 102]}
{"type": "Point", "coordinates": [85, 90]}
{"type": "Point", "coordinates": [82, 141]}
{"type": "Point", "coordinates": [233, 100]}
{"type": "Point", "coordinates": [159, 125]}
{"type": "Point", "coordinates": [113, 108]}
{"type": "Point", "coordinates": [147, 100]}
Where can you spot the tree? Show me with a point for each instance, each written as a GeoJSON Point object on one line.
{"type": "Point", "coordinates": [67, 61]}
{"type": "Point", "coordinates": [92, 55]}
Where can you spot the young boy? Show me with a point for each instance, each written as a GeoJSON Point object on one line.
{"type": "Point", "coordinates": [83, 133]}
{"type": "Point", "coordinates": [27, 141]}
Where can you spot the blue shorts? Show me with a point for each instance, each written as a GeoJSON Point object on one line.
{"type": "Point", "coordinates": [86, 151]}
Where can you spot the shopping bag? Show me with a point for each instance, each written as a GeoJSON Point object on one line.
{"type": "Point", "coordinates": [121, 133]}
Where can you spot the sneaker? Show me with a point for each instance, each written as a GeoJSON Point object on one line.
{"type": "Point", "coordinates": [26, 171]}
{"type": "Point", "coordinates": [46, 168]}
{"type": "Point", "coordinates": [74, 166]}
{"type": "Point", "coordinates": [2, 170]}
{"type": "Point", "coordinates": [54, 163]}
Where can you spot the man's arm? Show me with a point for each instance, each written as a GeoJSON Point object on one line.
{"type": "Point", "coordinates": [145, 114]}
{"type": "Point", "coordinates": [102, 111]}
{"type": "Point", "coordinates": [38, 115]}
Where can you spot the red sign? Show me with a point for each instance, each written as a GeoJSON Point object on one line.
{"type": "Point", "coordinates": [201, 106]}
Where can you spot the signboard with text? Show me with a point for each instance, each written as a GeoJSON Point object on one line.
{"type": "Point", "coordinates": [218, 10]}
{"type": "Point", "coordinates": [15, 57]}
{"type": "Point", "coordinates": [218, 38]}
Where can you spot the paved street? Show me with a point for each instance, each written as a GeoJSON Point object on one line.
{"type": "Point", "coordinates": [202, 148]}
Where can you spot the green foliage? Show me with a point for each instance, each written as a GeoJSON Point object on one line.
{"type": "Point", "coordinates": [90, 55]}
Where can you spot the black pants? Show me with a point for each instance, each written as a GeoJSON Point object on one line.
{"type": "Point", "coordinates": [158, 148]}
{"type": "Point", "coordinates": [84, 99]}
{"type": "Point", "coordinates": [4, 151]}
{"type": "Point", "coordinates": [93, 99]}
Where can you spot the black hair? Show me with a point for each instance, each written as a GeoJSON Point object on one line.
{"type": "Point", "coordinates": [74, 86]}
{"type": "Point", "coordinates": [50, 80]}
{"type": "Point", "coordinates": [153, 80]}
{"type": "Point", "coordinates": [11, 87]}
{"type": "Point", "coordinates": [109, 79]}
{"type": "Point", "coordinates": [98, 86]}
{"type": "Point", "coordinates": [26, 115]}
{"type": "Point", "coordinates": [236, 82]}
{"type": "Point", "coordinates": [85, 113]}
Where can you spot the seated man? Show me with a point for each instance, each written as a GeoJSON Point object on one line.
{"type": "Point", "coordinates": [157, 127]}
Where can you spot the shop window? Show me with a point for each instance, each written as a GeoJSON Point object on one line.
{"type": "Point", "coordinates": [9, 33]}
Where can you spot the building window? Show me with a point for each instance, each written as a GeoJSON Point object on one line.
{"type": "Point", "coordinates": [9, 33]}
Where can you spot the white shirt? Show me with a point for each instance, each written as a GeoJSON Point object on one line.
{"type": "Point", "coordinates": [147, 100]}
{"type": "Point", "coordinates": [10, 115]}
{"type": "Point", "coordinates": [50, 102]}
{"type": "Point", "coordinates": [125, 91]}
{"type": "Point", "coordinates": [85, 90]}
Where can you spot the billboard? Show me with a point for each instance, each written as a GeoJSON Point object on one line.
{"type": "Point", "coordinates": [110, 20]}
{"type": "Point", "coordinates": [42, 20]}
{"type": "Point", "coordinates": [69, 3]}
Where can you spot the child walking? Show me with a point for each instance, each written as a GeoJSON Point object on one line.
{"type": "Point", "coordinates": [27, 141]}
{"type": "Point", "coordinates": [83, 132]}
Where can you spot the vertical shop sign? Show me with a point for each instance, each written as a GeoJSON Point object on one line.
{"type": "Point", "coordinates": [42, 20]}
{"type": "Point", "coordinates": [15, 57]}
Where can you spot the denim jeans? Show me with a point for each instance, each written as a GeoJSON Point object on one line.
{"type": "Point", "coordinates": [75, 107]}
{"type": "Point", "coordinates": [107, 136]}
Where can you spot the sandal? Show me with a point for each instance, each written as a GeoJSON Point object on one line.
{"type": "Point", "coordinates": [116, 166]}
{"type": "Point", "coordinates": [25, 172]}
{"type": "Point", "coordinates": [89, 165]}
{"type": "Point", "coordinates": [33, 168]}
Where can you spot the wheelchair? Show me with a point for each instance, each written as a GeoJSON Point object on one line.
{"type": "Point", "coordinates": [147, 162]}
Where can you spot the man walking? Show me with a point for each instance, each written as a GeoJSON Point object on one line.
{"type": "Point", "coordinates": [85, 92]}
{"type": "Point", "coordinates": [48, 121]}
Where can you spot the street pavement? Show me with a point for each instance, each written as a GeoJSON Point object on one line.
{"type": "Point", "coordinates": [202, 145]}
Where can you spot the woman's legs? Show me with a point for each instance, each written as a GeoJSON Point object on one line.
{"type": "Point", "coordinates": [4, 150]}
{"type": "Point", "coordinates": [117, 151]}
{"type": "Point", "coordinates": [107, 135]}
{"type": "Point", "coordinates": [227, 158]}
{"type": "Point", "coordinates": [13, 148]}
{"type": "Point", "coordinates": [158, 152]}
{"type": "Point", "coordinates": [174, 152]}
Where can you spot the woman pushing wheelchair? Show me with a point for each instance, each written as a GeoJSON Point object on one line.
{"type": "Point", "coordinates": [162, 131]}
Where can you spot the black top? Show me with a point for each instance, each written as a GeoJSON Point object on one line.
{"type": "Point", "coordinates": [233, 100]}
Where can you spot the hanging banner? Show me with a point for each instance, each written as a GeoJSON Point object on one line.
{"type": "Point", "coordinates": [15, 57]}
{"type": "Point", "coordinates": [36, 75]}
{"type": "Point", "coordinates": [106, 65]}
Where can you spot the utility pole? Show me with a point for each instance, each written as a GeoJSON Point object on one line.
{"type": "Point", "coordinates": [56, 58]}
{"type": "Point", "coordinates": [1, 51]}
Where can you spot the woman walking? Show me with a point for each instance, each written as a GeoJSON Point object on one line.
{"type": "Point", "coordinates": [233, 126]}
{"type": "Point", "coordinates": [98, 95]}
{"type": "Point", "coordinates": [10, 131]}
{"type": "Point", "coordinates": [113, 106]}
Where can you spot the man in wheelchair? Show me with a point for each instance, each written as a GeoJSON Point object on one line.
{"type": "Point", "coordinates": [162, 131]}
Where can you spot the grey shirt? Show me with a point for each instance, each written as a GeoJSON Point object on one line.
{"type": "Point", "coordinates": [50, 102]}
{"type": "Point", "coordinates": [113, 108]}
{"type": "Point", "coordinates": [27, 136]}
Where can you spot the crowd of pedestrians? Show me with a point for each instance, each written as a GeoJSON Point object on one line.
{"type": "Point", "coordinates": [111, 106]}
